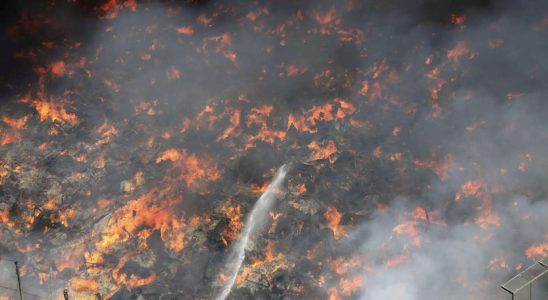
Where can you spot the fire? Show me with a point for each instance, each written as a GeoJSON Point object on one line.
{"type": "Point", "coordinates": [349, 286]}
{"type": "Point", "coordinates": [57, 69]}
{"type": "Point", "coordinates": [106, 132]}
{"type": "Point", "coordinates": [222, 44]}
{"type": "Point", "coordinates": [413, 227]}
{"type": "Point", "coordinates": [459, 50]}
{"type": "Point", "coordinates": [84, 285]}
{"type": "Point", "coordinates": [298, 189]}
{"type": "Point", "coordinates": [235, 223]}
{"type": "Point", "coordinates": [155, 131]}
{"type": "Point", "coordinates": [498, 262]}
{"type": "Point", "coordinates": [338, 109]}
{"type": "Point", "coordinates": [269, 262]}
{"type": "Point", "coordinates": [54, 111]}
{"type": "Point", "coordinates": [364, 88]}
{"type": "Point", "coordinates": [9, 137]}
{"type": "Point", "coordinates": [111, 8]}
{"type": "Point", "coordinates": [439, 168]}
{"type": "Point", "coordinates": [173, 73]}
{"type": "Point", "coordinates": [194, 170]}
{"type": "Point", "coordinates": [170, 154]}
{"type": "Point", "coordinates": [93, 261]}
{"type": "Point", "coordinates": [294, 70]}
{"type": "Point", "coordinates": [333, 217]}
{"type": "Point", "coordinates": [259, 189]}
{"type": "Point", "coordinates": [259, 116]}
{"type": "Point", "coordinates": [327, 17]}
{"type": "Point", "coordinates": [346, 269]}
{"type": "Point", "coordinates": [234, 123]}
{"type": "Point", "coordinates": [185, 30]}
{"type": "Point", "coordinates": [173, 235]}
{"type": "Point", "coordinates": [470, 188]}
{"type": "Point", "coordinates": [478, 189]}
{"type": "Point", "coordinates": [16, 123]}
{"type": "Point", "coordinates": [537, 251]}
{"type": "Point", "coordinates": [143, 212]}
{"type": "Point", "coordinates": [333, 294]}
{"type": "Point", "coordinates": [398, 260]}
{"type": "Point", "coordinates": [322, 152]}
{"type": "Point", "coordinates": [457, 19]}
{"type": "Point", "coordinates": [133, 280]}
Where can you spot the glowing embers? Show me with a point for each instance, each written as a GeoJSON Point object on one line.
{"type": "Point", "coordinates": [105, 132]}
{"type": "Point", "coordinates": [345, 277]}
{"type": "Point", "coordinates": [9, 137]}
{"type": "Point", "coordinates": [329, 22]}
{"type": "Point", "coordinates": [13, 134]}
{"type": "Point", "coordinates": [485, 215]}
{"type": "Point", "coordinates": [459, 50]}
{"type": "Point", "coordinates": [537, 251]}
{"type": "Point", "coordinates": [308, 121]}
{"type": "Point", "coordinates": [398, 260]}
{"type": "Point", "coordinates": [262, 267]}
{"type": "Point", "coordinates": [137, 220]}
{"type": "Point", "coordinates": [230, 122]}
{"type": "Point", "coordinates": [333, 217]}
{"type": "Point", "coordinates": [259, 117]}
{"type": "Point", "coordinates": [111, 8]}
{"type": "Point", "coordinates": [196, 171]}
{"type": "Point", "coordinates": [141, 261]}
{"type": "Point", "coordinates": [30, 215]}
{"type": "Point", "coordinates": [78, 284]}
{"type": "Point", "coordinates": [325, 151]}
{"type": "Point", "coordinates": [71, 256]}
{"type": "Point", "coordinates": [234, 224]}
{"type": "Point", "coordinates": [219, 44]}
{"type": "Point", "coordinates": [412, 225]}
{"type": "Point", "coordinates": [440, 168]}
{"type": "Point", "coordinates": [210, 116]}
{"type": "Point", "coordinates": [16, 123]}
{"type": "Point", "coordinates": [53, 110]}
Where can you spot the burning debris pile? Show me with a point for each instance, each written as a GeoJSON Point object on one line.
{"type": "Point", "coordinates": [136, 137]}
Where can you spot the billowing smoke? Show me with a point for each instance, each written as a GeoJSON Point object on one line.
{"type": "Point", "coordinates": [450, 260]}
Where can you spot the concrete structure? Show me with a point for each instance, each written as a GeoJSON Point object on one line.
{"type": "Point", "coordinates": [531, 284]}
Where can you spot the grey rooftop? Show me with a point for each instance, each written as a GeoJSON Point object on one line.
{"type": "Point", "coordinates": [526, 277]}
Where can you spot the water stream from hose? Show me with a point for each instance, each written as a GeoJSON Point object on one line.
{"type": "Point", "coordinates": [253, 222]}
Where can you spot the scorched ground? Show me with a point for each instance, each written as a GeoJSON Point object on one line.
{"type": "Point", "coordinates": [136, 136]}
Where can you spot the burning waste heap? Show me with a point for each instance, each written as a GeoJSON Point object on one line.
{"type": "Point", "coordinates": [137, 136]}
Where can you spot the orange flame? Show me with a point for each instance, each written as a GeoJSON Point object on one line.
{"type": "Point", "coordinates": [83, 285]}
{"type": "Point", "coordinates": [133, 280]}
{"type": "Point", "coordinates": [235, 223]}
{"type": "Point", "coordinates": [322, 152]}
{"type": "Point", "coordinates": [348, 286]}
{"type": "Point", "coordinates": [478, 189]}
{"type": "Point", "coordinates": [143, 212]}
{"type": "Point", "coordinates": [396, 261]}
{"type": "Point", "coordinates": [333, 216]}
{"type": "Point", "coordinates": [54, 111]}
{"type": "Point", "coordinates": [537, 251]}
{"type": "Point", "coordinates": [14, 122]}
{"type": "Point", "coordinates": [439, 168]}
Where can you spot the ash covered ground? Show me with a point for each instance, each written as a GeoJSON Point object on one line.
{"type": "Point", "coordinates": [136, 136]}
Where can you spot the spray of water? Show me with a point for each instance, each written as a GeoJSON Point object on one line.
{"type": "Point", "coordinates": [255, 218]}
